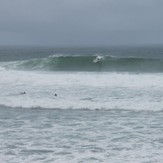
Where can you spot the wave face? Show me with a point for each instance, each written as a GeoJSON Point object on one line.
{"type": "Point", "coordinates": [89, 63]}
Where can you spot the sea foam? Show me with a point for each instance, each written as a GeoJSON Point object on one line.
{"type": "Point", "coordinates": [81, 90]}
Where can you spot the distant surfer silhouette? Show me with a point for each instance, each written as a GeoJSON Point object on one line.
{"type": "Point", "coordinates": [55, 94]}
{"type": "Point", "coordinates": [98, 60]}
{"type": "Point", "coordinates": [23, 93]}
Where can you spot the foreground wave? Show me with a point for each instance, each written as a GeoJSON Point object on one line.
{"type": "Point", "coordinates": [60, 136]}
{"type": "Point", "coordinates": [88, 63]}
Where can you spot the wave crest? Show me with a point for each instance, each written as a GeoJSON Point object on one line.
{"type": "Point", "coordinates": [88, 63]}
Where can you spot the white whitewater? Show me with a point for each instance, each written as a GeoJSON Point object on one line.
{"type": "Point", "coordinates": [81, 90]}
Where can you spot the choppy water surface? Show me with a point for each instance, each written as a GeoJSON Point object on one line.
{"type": "Point", "coordinates": [39, 135]}
{"type": "Point", "coordinates": [108, 108]}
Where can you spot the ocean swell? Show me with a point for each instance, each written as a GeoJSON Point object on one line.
{"type": "Point", "coordinates": [88, 63]}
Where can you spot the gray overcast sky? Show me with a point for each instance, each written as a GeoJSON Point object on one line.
{"type": "Point", "coordinates": [81, 22]}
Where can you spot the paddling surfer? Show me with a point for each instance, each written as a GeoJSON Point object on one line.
{"type": "Point", "coordinates": [23, 93]}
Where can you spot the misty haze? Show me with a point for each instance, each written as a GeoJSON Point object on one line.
{"type": "Point", "coordinates": [81, 81]}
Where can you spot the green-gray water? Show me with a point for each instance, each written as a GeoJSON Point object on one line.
{"type": "Point", "coordinates": [107, 108]}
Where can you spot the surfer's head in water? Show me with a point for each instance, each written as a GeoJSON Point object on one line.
{"type": "Point", "coordinates": [22, 93]}
{"type": "Point", "coordinates": [55, 94]}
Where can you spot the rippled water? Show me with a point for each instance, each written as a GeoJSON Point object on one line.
{"type": "Point", "coordinates": [40, 135]}
{"type": "Point", "coordinates": [111, 116]}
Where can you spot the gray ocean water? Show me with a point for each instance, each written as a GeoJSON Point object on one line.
{"type": "Point", "coordinates": [108, 108]}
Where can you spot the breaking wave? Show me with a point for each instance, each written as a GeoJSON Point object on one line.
{"type": "Point", "coordinates": [88, 63]}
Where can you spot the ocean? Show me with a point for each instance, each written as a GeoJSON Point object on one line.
{"type": "Point", "coordinates": [79, 105]}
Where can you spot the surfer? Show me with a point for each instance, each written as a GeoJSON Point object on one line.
{"type": "Point", "coordinates": [23, 93]}
{"type": "Point", "coordinates": [55, 94]}
{"type": "Point", "coordinates": [98, 59]}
